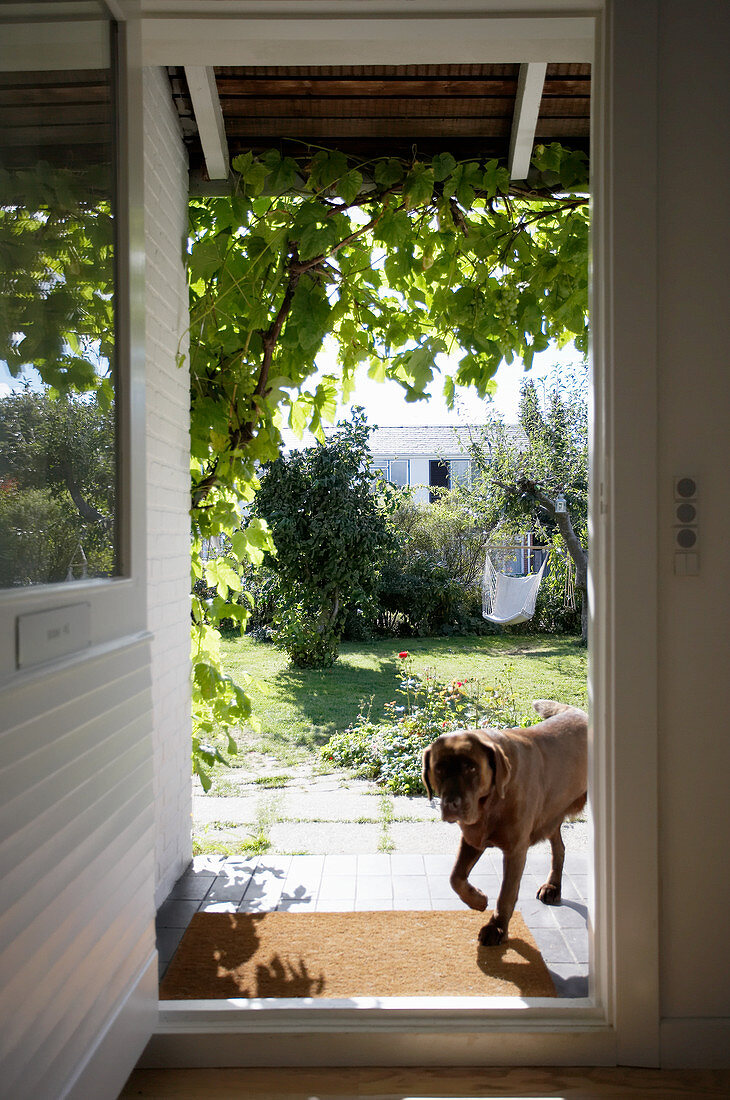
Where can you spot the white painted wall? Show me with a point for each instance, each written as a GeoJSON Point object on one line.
{"type": "Point", "coordinates": [694, 612]}
{"type": "Point", "coordinates": [76, 827]}
{"type": "Point", "coordinates": [168, 477]}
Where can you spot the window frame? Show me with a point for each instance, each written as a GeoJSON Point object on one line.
{"type": "Point", "coordinates": [117, 605]}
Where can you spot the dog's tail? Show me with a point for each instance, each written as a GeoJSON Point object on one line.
{"type": "Point", "coordinates": [546, 708]}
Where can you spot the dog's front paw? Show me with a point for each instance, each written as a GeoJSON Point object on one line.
{"type": "Point", "coordinates": [476, 899]}
{"type": "Point", "coordinates": [549, 894]}
{"type": "Point", "coordinates": [491, 934]}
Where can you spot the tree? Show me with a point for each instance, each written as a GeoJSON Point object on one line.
{"type": "Point", "coordinates": [519, 482]}
{"type": "Point", "coordinates": [330, 533]}
{"type": "Point", "coordinates": [398, 261]}
{"type": "Point", "coordinates": [57, 496]}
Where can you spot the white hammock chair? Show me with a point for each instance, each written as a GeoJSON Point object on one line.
{"type": "Point", "coordinates": [507, 599]}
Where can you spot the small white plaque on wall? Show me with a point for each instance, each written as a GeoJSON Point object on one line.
{"type": "Point", "coordinates": [46, 635]}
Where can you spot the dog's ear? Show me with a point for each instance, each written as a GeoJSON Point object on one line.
{"type": "Point", "coordinates": [500, 765]}
{"type": "Point", "coordinates": [426, 771]}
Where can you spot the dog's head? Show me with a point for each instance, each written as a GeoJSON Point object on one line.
{"type": "Point", "coordinates": [463, 769]}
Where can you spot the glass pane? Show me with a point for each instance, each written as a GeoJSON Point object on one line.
{"type": "Point", "coordinates": [399, 471]}
{"type": "Point", "coordinates": [58, 438]}
{"type": "Point", "coordinates": [460, 471]}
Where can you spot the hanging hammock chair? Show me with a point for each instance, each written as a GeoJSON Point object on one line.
{"type": "Point", "coordinates": [507, 599]}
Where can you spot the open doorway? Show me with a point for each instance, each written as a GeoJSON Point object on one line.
{"type": "Point", "coordinates": [220, 894]}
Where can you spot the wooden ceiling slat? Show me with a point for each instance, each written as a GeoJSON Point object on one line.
{"type": "Point", "coordinates": [84, 115]}
{"type": "Point", "coordinates": [559, 129]}
{"type": "Point", "coordinates": [53, 97]}
{"type": "Point", "coordinates": [235, 86]}
{"type": "Point", "coordinates": [560, 107]}
{"type": "Point", "coordinates": [375, 107]}
{"type": "Point", "coordinates": [33, 136]}
{"type": "Point", "coordinates": [311, 129]}
{"type": "Point", "coordinates": [562, 68]}
{"type": "Point", "coordinates": [53, 77]}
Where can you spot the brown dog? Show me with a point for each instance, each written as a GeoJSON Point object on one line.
{"type": "Point", "coordinates": [509, 789]}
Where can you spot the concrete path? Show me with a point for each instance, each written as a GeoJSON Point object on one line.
{"type": "Point", "coordinates": [329, 814]}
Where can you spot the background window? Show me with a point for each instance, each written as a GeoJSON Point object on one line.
{"type": "Point", "coordinates": [398, 472]}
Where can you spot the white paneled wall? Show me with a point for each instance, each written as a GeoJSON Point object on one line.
{"type": "Point", "coordinates": [76, 831]}
{"type": "Point", "coordinates": [168, 477]}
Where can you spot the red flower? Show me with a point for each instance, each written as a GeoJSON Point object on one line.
{"type": "Point", "coordinates": [404, 654]}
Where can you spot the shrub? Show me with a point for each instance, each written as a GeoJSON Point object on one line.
{"type": "Point", "coordinates": [389, 751]}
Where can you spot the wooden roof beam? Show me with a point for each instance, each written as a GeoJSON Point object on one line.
{"type": "Point", "coordinates": [524, 121]}
{"type": "Point", "coordinates": [209, 119]}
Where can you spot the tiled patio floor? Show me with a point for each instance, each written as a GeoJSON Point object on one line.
{"type": "Point", "coordinates": [328, 883]}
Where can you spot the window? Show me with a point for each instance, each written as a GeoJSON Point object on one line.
{"type": "Point", "coordinates": [395, 470]}
{"type": "Point", "coordinates": [399, 471]}
{"type": "Point", "coordinates": [58, 429]}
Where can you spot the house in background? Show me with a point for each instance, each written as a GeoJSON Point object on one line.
{"type": "Point", "coordinates": [423, 458]}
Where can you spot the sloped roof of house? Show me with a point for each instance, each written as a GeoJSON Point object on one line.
{"type": "Point", "coordinates": [430, 440]}
{"type": "Point", "coordinates": [413, 441]}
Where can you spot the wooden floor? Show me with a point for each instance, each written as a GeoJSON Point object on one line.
{"type": "Point", "coordinates": [434, 1084]}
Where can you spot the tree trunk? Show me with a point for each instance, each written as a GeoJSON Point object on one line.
{"type": "Point", "coordinates": [573, 545]}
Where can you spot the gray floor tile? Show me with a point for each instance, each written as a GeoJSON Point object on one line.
{"type": "Point", "coordinates": [439, 864]}
{"type": "Point", "coordinates": [404, 864]}
{"type": "Point", "coordinates": [168, 941]}
{"type": "Point", "coordinates": [553, 946]}
{"type": "Point", "coordinates": [337, 886]}
{"type": "Point", "coordinates": [411, 887]}
{"type": "Point", "coordinates": [176, 913]}
{"type": "Point", "coordinates": [296, 905]}
{"type": "Point", "coordinates": [335, 905]}
{"type": "Point", "coordinates": [224, 889]}
{"type": "Point", "coordinates": [537, 915]}
{"type": "Point", "coordinates": [570, 980]}
{"type": "Point", "coordinates": [570, 914]}
{"type": "Point", "coordinates": [340, 865]}
{"type": "Point", "coordinates": [207, 863]}
{"type": "Point", "coordinates": [192, 887]}
{"type": "Point", "coordinates": [218, 907]}
{"type": "Point", "coordinates": [374, 886]}
{"type": "Point", "coordinates": [365, 904]}
{"type": "Point", "coordinates": [577, 940]}
{"type": "Point", "coordinates": [377, 864]}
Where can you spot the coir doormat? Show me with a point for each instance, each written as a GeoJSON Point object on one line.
{"type": "Point", "coordinates": [364, 954]}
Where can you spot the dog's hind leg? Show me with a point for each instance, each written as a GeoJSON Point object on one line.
{"type": "Point", "coordinates": [550, 891]}
{"type": "Point", "coordinates": [466, 858]}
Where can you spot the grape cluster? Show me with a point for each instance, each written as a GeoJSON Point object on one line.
{"type": "Point", "coordinates": [506, 302]}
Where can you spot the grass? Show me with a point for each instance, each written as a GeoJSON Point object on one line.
{"type": "Point", "coordinates": [298, 710]}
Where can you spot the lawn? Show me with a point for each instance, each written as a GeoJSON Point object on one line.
{"type": "Point", "coordinates": [298, 710]}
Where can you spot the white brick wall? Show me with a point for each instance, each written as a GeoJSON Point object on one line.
{"type": "Point", "coordinates": [168, 478]}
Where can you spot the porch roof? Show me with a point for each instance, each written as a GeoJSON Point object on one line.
{"type": "Point", "coordinates": [471, 110]}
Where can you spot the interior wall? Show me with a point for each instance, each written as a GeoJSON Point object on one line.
{"type": "Point", "coordinates": [168, 476]}
{"type": "Point", "coordinates": [694, 413]}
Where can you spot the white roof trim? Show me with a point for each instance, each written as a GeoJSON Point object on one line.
{"type": "Point", "coordinates": [524, 122]}
{"type": "Point", "coordinates": [209, 117]}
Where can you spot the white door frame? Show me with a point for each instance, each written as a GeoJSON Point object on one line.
{"type": "Point", "coordinates": [620, 1020]}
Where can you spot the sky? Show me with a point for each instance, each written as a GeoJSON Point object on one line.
{"type": "Point", "coordinates": [385, 404]}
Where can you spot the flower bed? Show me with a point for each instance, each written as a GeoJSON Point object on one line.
{"type": "Point", "coordinates": [389, 750]}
